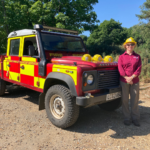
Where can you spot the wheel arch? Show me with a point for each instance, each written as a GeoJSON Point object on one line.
{"type": "Point", "coordinates": [54, 78]}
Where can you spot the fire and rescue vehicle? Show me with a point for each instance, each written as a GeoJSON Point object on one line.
{"type": "Point", "coordinates": [58, 65]}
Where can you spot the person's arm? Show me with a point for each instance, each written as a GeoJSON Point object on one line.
{"type": "Point", "coordinates": [138, 70]}
{"type": "Point", "coordinates": [120, 68]}
{"type": "Point", "coordinates": [133, 76]}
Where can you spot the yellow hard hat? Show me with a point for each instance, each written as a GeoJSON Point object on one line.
{"type": "Point", "coordinates": [97, 57]}
{"type": "Point", "coordinates": [129, 40]}
{"type": "Point", "coordinates": [86, 57]}
{"type": "Point", "coordinates": [108, 59]}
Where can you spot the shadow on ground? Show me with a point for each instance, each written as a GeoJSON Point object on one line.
{"type": "Point", "coordinates": [14, 91]}
{"type": "Point", "coordinates": [94, 120]}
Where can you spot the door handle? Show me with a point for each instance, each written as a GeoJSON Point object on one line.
{"type": "Point", "coordinates": [8, 65]}
{"type": "Point", "coordinates": [22, 67]}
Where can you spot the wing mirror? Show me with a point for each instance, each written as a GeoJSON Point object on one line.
{"type": "Point", "coordinates": [31, 50]}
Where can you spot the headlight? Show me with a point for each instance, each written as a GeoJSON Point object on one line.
{"type": "Point", "coordinates": [90, 79]}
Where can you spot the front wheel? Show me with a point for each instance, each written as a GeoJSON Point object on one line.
{"type": "Point", "coordinates": [61, 106]}
{"type": "Point", "coordinates": [112, 105]}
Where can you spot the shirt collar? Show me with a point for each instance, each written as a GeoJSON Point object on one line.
{"type": "Point", "coordinates": [125, 53]}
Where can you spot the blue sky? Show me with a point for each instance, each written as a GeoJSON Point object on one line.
{"type": "Point", "coordinates": [123, 11]}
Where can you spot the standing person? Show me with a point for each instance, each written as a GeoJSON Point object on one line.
{"type": "Point", "coordinates": [129, 66]}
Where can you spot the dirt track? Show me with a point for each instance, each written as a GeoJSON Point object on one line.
{"type": "Point", "coordinates": [23, 127]}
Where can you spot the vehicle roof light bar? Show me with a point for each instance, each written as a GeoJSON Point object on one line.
{"type": "Point", "coordinates": [60, 30]}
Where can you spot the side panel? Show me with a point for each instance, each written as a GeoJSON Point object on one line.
{"type": "Point", "coordinates": [69, 70]}
{"type": "Point", "coordinates": [6, 68]}
{"type": "Point", "coordinates": [27, 69]}
{"type": "Point", "coordinates": [14, 71]}
{"type": "Point", "coordinates": [40, 79]}
{"type": "Point", "coordinates": [11, 63]}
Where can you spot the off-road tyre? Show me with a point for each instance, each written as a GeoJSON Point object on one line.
{"type": "Point", "coordinates": [2, 87]}
{"type": "Point", "coordinates": [71, 112]}
{"type": "Point", "coordinates": [112, 105]}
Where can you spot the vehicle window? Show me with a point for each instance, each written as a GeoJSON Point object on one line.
{"type": "Point", "coordinates": [14, 47]}
{"type": "Point", "coordinates": [75, 45]}
{"type": "Point", "coordinates": [27, 42]}
{"type": "Point", "coordinates": [62, 43]}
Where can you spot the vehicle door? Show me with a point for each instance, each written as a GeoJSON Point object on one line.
{"type": "Point", "coordinates": [28, 64]}
{"type": "Point", "coordinates": [11, 62]}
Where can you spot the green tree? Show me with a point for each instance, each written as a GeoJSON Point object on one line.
{"type": "Point", "coordinates": [138, 32]}
{"type": "Point", "coordinates": [19, 14]}
{"type": "Point", "coordinates": [145, 11]}
{"type": "Point", "coordinates": [107, 37]}
{"type": "Point", "coordinates": [141, 32]}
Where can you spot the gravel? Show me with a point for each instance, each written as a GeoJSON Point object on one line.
{"type": "Point", "coordinates": [24, 127]}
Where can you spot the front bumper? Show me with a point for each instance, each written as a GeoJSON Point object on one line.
{"type": "Point", "coordinates": [97, 99]}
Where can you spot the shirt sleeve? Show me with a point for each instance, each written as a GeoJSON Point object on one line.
{"type": "Point", "coordinates": [120, 68]}
{"type": "Point", "coordinates": [139, 66]}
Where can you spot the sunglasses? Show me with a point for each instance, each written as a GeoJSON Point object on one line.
{"type": "Point", "coordinates": [130, 44]}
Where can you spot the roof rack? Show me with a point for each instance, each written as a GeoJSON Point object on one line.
{"type": "Point", "coordinates": [60, 30]}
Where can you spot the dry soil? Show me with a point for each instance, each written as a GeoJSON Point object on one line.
{"type": "Point", "coordinates": [23, 127]}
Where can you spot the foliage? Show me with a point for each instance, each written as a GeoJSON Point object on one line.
{"type": "Point", "coordinates": [141, 33]}
{"type": "Point", "coordinates": [19, 14]}
{"type": "Point", "coordinates": [106, 37]}
{"type": "Point", "coordinates": [145, 11]}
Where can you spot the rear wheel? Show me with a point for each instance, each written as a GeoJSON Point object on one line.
{"type": "Point", "coordinates": [2, 87]}
{"type": "Point", "coordinates": [61, 106]}
{"type": "Point", "coordinates": [112, 105]}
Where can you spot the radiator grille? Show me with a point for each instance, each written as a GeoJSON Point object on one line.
{"type": "Point", "coordinates": [108, 78]}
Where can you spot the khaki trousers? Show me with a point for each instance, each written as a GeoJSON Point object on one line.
{"type": "Point", "coordinates": [133, 90]}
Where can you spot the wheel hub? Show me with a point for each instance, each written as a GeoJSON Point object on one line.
{"type": "Point", "coordinates": [57, 106]}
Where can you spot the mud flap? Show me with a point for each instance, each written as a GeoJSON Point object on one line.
{"type": "Point", "coordinates": [42, 101]}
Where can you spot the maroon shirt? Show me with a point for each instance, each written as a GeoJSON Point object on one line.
{"type": "Point", "coordinates": [129, 65]}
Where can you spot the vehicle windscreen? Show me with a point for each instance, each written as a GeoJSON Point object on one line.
{"type": "Point", "coordinates": [59, 42]}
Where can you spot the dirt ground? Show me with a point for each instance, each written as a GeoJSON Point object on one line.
{"type": "Point", "coordinates": [23, 127]}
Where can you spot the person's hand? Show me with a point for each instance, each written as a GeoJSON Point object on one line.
{"type": "Point", "coordinates": [129, 79]}
{"type": "Point", "coordinates": [131, 82]}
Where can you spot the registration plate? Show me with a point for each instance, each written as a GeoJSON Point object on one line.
{"type": "Point", "coordinates": [113, 96]}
